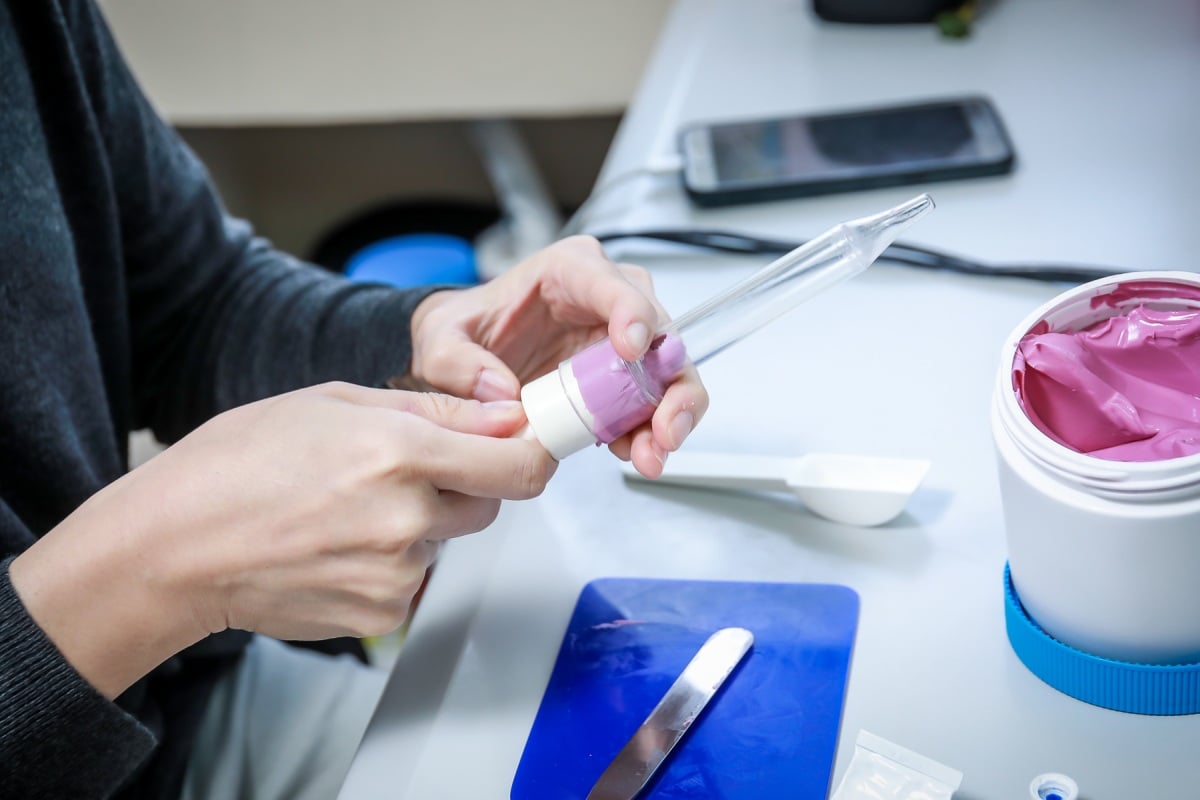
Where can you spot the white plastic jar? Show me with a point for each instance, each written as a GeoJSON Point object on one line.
{"type": "Point", "coordinates": [1104, 555]}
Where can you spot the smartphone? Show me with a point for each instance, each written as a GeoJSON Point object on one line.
{"type": "Point", "coordinates": [739, 162]}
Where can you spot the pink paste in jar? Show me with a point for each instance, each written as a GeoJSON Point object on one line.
{"type": "Point", "coordinates": [1124, 389]}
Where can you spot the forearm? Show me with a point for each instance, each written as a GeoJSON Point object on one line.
{"type": "Point", "coordinates": [217, 317]}
{"type": "Point", "coordinates": [265, 324]}
{"type": "Point", "coordinates": [104, 595]}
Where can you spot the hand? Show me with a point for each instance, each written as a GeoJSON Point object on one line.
{"type": "Point", "coordinates": [305, 516]}
{"type": "Point", "coordinates": [485, 342]}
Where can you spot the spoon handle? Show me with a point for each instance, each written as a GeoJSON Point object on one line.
{"type": "Point", "coordinates": [725, 471]}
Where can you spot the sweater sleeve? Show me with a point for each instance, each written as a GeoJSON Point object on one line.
{"type": "Point", "coordinates": [58, 736]}
{"type": "Point", "coordinates": [218, 316]}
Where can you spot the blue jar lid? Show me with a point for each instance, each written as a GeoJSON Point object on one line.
{"type": "Point", "coordinates": [415, 259]}
{"type": "Point", "coordinates": [1120, 685]}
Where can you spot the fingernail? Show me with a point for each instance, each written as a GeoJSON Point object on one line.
{"type": "Point", "coordinates": [505, 407]}
{"type": "Point", "coordinates": [679, 428]}
{"type": "Point", "coordinates": [659, 453]}
{"type": "Point", "coordinates": [637, 336]}
{"type": "Point", "coordinates": [492, 386]}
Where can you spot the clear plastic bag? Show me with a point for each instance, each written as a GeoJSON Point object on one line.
{"type": "Point", "coordinates": [882, 770]}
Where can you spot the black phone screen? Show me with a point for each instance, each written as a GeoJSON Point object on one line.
{"type": "Point", "coordinates": [847, 144]}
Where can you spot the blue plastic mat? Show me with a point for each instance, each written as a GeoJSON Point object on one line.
{"type": "Point", "coordinates": [771, 731]}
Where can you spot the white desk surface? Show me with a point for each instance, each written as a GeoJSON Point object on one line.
{"type": "Point", "coordinates": [1101, 100]}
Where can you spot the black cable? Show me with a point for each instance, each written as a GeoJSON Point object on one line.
{"type": "Point", "coordinates": [897, 253]}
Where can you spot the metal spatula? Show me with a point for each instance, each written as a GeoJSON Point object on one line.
{"type": "Point", "coordinates": [669, 721]}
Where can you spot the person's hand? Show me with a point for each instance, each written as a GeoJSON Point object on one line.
{"type": "Point", "coordinates": [485, 342]}
{"type": "Point", "coordinates": [305, 516]}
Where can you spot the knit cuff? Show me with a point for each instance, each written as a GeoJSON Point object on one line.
{"type": "Point", "coordinates": [59, 737]}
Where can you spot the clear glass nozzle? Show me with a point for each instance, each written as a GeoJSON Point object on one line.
{"type": "Point", "coordinates": [597, 396]}
{"type": "Point", "coordinates": [840, 253]}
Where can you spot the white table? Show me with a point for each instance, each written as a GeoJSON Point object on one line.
{"type": "Point", "coordinates": [1102, 104]}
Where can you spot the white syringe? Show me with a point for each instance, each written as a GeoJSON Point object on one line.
{"type": "Point", "coordinates": [596, 396]}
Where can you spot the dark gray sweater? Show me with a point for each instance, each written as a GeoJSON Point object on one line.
{"type": "Point", "coordinates": [128, 299]}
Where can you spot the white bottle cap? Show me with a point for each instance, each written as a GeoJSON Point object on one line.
{"type": "Point", "coordinates": [550, 406]}
{"type": "Point", "coordinates": [1053, 786]}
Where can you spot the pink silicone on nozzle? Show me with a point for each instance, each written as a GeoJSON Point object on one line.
{"type": "Point", "coordinates": [621, 395]}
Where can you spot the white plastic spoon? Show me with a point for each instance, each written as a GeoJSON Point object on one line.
{"type": "Point", "coordinates": [854, 490]}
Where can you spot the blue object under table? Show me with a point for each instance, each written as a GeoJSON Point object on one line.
{"type": "Point", "coordinates": [415, 259]}
{"type": "Point", "coordinates": [770, 732]}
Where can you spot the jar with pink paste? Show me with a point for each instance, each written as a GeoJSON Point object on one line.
{"type": "Point", "coordinates": [1096, 424]}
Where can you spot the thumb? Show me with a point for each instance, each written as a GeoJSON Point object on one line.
{"type": "Point", "coordinates": [499, 419]}
{"type": "Point", "coordinates": [463, 368]}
